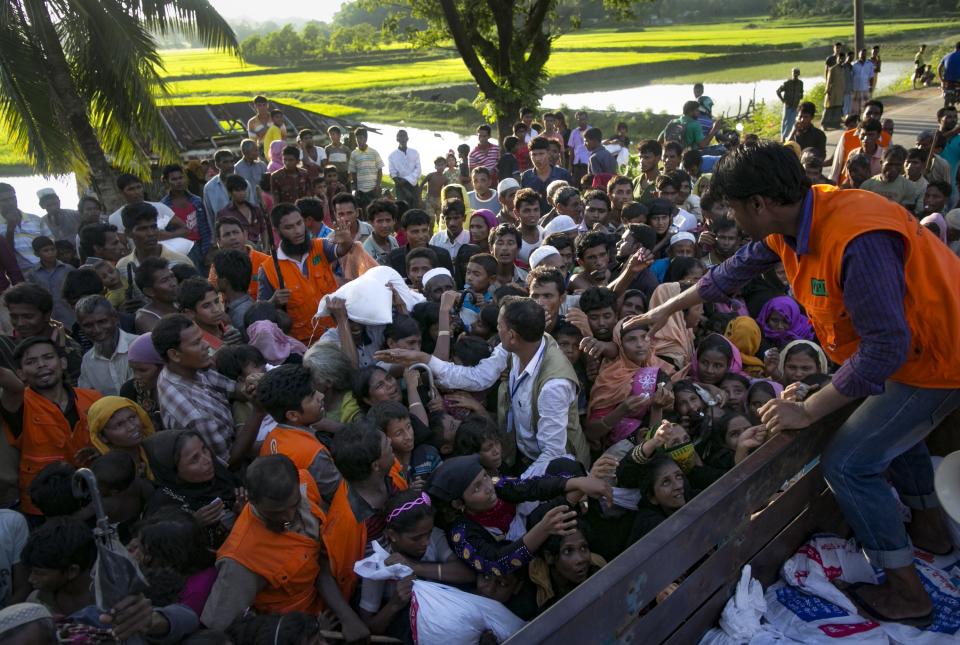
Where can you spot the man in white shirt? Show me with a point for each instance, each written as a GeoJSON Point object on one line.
{"type": "Point", "coordinates": [172, 230]}
{"type": "Point", "coordinates": [105, 366]}
{"type": "Point", "coordinates": [453, 236]}
{"type": "Point", "coordinates": [540, 409]}
{"type": "Point", "coordinates": [862, 77]}
{"type": "Point", "coordinates": [404, 166]}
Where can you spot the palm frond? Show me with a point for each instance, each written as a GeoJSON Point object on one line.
{"type": "Point", "coordinates": [196, 18]}
{"type": "Point", "coordinates": [27, 112]}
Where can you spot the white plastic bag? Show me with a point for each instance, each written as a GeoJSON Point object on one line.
{"type": "Point", "coordinates": [369, 300]}
{"type": "Point", "coordinates": [373, 567]}
{"type": "Point", "coordinates": [442, 615]}
{"type": "Point", "coordinates": [741, 616]}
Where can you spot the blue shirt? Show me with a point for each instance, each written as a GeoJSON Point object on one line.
{"type": "Point", "coordinates": [951, 66]}
{"type": "Point", "coordinates": [529, 179]}
{"type": "Point", "coordinates": [951, 154]}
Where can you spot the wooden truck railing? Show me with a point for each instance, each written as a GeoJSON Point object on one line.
{"type": "Point", "coordinates": [740, 519]}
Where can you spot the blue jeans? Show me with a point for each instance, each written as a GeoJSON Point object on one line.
{"type": "Point", "coordinates": [886, 434]}
{"type": "Point", "coordinates": [789, 118]}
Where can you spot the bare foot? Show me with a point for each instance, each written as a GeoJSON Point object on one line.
{"type": "Point", "coordinates": [928, 532]}
{"type": "Point", "coordinates": [883, 600]}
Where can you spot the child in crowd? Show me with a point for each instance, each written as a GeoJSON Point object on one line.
{"type": "Point", "coordinates": [412, 539]}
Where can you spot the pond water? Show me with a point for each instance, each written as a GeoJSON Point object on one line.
{"type": "Point", "coordinates": [429, 143]}
{"type": "Point", "coordinates": [728, 98]}
{"type": "Point", "coordinates": [27, 187]}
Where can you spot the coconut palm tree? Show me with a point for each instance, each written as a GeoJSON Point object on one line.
{"type": "Point", "coordinates": [79, 81]}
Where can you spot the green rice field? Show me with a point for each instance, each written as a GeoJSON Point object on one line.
{"type": "Point", "coordinates": [376, 86]}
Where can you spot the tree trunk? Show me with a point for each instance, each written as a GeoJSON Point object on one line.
{"type": "Point", "coordinates": [73, 107]}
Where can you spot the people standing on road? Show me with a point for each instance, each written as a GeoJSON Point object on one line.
{"type": "Point", "coordinates": [790, 94]}
{"type": "Point", "coordinates": [862, 79]}
{"type": "Point", "coordinates": [848, 85]}
{"type": "Point", "coordinates": [833, 97]}
{"type": "Point", "coordinates": [835, 57]}
{"type": "Point", "coordinates": [875, 59]}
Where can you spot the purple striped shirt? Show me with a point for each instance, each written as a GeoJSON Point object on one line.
{"type": "Point", "coordinates": [874, 285]}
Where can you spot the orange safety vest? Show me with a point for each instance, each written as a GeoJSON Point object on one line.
{"type": "Point", "coordinates": [345, 538]}
{"type": "Point", "coordinates": [932, 299]}
{"type": "Point", "coordinates": [288, 561]}
{"type": "Point", "coordinates": [300, 445]}
{"type": "Point", "coordinates": [306, 291]}
{"type": "Point", "coordinates": [256, 260]}
{"type": "Point", "coordinates": [851, 141]}
{"type": "Point", "coordinates": [47, 438]}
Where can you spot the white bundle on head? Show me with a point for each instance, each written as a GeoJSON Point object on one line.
{"type": "Point", "coordinates": [369, 299]}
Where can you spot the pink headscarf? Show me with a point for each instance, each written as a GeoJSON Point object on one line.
{"type": "Point", "coordinates": [276, 155]}
{"type": "Point", "coordinates": [736, 362]}
{"type": "Point", "coordinates": [487, 216]}
{"type": "Point", "coordinates": [275, 346]}
{"type": "Point", "coordinates": [941, 223]}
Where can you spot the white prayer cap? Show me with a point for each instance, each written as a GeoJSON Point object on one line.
{"type": "Point", "coordinates": [541, 253]}
{"type": "Point", "coordinates": [433, 273]}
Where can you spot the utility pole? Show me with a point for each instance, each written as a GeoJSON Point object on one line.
{"type": "Point", "coordinates": [858, 37]}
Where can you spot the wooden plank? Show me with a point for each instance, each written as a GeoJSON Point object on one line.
{"type": "Point", "coordinates": [613, 598]}
{"type": "Point", "coordinates": [722, 569]}
{"type": "Point", "coordinates": [822, 514]}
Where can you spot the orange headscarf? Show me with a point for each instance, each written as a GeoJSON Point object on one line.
{"type": "Point", "coordinates": [744, 332]}
{"type": "Point", "coordinates": [615, 380]}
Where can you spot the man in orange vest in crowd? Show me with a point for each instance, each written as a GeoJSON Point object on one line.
{"type": "Point", "coordinates": [847, 255]}
{"type": "Point", "coordinates": [850, 140]}
{"type": "Point", "coordinates": [306, 264]}
{"type": "Point", "coordinates": [273, 559]}
{"type": "Point", "coordinates": [371, 474]}
{"type": "Point", "coordinates": [287, 394]}
{"type": "Point", "coordinates": [44, 418]}
{"type": "Point", "coordinates": [231, 235]}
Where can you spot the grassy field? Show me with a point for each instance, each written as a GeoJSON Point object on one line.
{"type": "Point", "coordinates": [573, 54]}
{"type": "Point", "coordinates": [395, 84]}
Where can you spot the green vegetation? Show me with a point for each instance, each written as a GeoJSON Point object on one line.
{"type": "Point", "coordinates": [433, 89]}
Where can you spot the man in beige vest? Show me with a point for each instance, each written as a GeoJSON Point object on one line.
{"type": "Point", "coordinates": [538, 402]}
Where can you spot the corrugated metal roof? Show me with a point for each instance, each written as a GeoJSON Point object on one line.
{"type": "Point", "coordinates": [203, 128]}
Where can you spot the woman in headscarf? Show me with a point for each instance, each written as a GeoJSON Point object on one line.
{"type": "Point", "coordinates": [781, 321]}
{"type": "Point", "coordinates": [673, 343]}
{"type": "Point", "coordinates": [937, 225]}
{"type": "Point", "coordinates": [189, 477]}
{"type": "Point", "coordinates": [833, 96]}
{"type": "Point", "coordinates": [798, 360]}
{"type": "Point", "coordinates": [145, 363]}
{"type": "Point", "coordinates": [744, 332]}
{"type": "Point", "coordinates": [628, 389]}
{"type": "Point", "coordinates": [276, 155]}
{"type": "Point", "coordinates": [761, 391]}
{"type": "Point", "coordinates": [116, 423]}
{"type": "Point", "coordinates": [716, 356]}
{"type": "Point", "coordinates": [481, 223]}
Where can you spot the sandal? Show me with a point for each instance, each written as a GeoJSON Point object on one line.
{"type": "Point", "coordinates": [919, 622]}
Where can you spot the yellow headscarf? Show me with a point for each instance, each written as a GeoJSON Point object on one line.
{"type": "Point", "coordinates": [100, 414]}
{"type": "Point", "coordinates": [744, 332]}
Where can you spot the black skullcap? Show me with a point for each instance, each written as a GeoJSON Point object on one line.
{"type": "Point", "coordinates": [450, 480]}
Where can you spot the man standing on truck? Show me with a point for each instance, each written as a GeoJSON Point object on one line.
{"type": "Point", "coordinates": [848, 255]}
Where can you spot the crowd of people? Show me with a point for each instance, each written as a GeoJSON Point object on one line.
{"type": "Point", "coordinates": [501, 373]}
